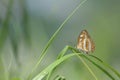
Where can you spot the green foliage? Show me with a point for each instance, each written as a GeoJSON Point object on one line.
{"type": "Point", "coordinates": [62, 56]}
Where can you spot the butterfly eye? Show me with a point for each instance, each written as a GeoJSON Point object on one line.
{"type": "Point", "coordinates": [85, 43]}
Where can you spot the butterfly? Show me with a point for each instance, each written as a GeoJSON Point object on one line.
{"type": "Point", "coordinates": [85, 43]}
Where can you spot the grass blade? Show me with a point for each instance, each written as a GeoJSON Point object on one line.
{"type": "Point", "coordinates": [106, 72]}
{"type": "Point", "coordinates": [107, 65]}
{"type": "Point", "coordinates": [52, 66]}
{"type": "Point", "coordinates": [53, 36]}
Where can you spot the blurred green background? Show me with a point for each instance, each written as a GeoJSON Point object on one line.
{"type": "Point", "coordinates": [27, 25]}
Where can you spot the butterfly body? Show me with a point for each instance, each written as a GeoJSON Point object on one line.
{"type": "Point", "coordinates": [84, 42]}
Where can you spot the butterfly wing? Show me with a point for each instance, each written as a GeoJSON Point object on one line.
{"type": "Point", "coordinates": [84, 42]}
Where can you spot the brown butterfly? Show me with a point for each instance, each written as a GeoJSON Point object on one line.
{"type": "Point", "coordinates": [84, 42]}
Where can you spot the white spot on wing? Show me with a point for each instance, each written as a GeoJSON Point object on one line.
{"type": "Point", "coordinates": [81, 35]}
{"type": "Point", "coordinates": [89, 45]}
{"type": "Point", "coordinates": [84, 43]}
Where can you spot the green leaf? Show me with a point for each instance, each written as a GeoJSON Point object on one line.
{"type": "Point", "coordinates": [54, 35]}
{"type": "Point", "coordinates": [107, 65]}
{"type": "Point", "coordinates": [102, 69]}
{"type": "Point", "coordinates": [42, 74]}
